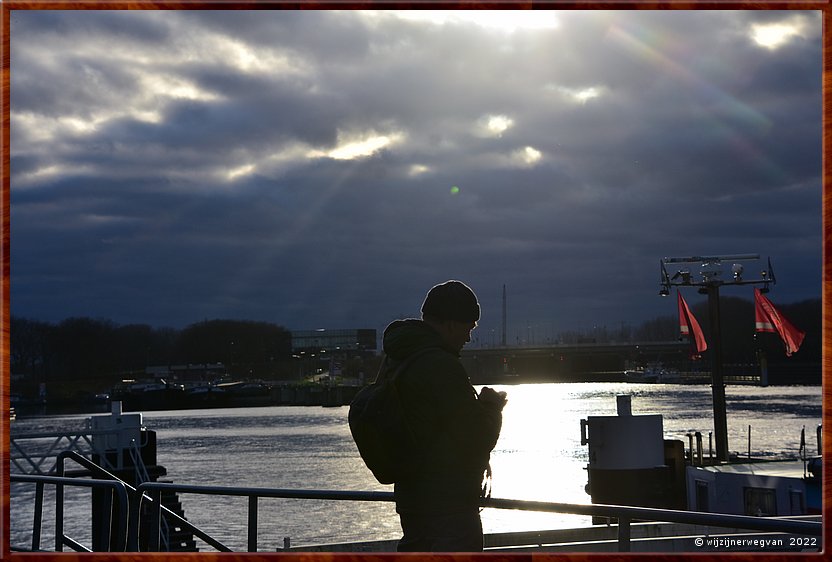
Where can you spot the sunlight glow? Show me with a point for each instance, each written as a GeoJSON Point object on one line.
{"type": "Point", "coordinates": [45, 172]}
{"type": "Point", "coordinates": [492, 126]}
{"type": "Point", "coordinates": [155, 85]}
{"type": "Point", "coordinates": [26, 179]}
{"type": "Point", "coordinates": [42, 128]}
{"type": "Point", "coordinates": [580, 95]}
{"type": "Point", "coordinates": [497, 124]}
{"type": "Point", "coordinates": [528, 156]}
{"type": "Point", "coordinates": [418, 170]}
{"type": "Point", "coordinates": [352, 149]}
{"type": "Point", "coordinates": [502, 20]}
{"type": "Point", "coordinates": [148, 116]}
{"type": "Point", "coordinates": [774, 35]}
{"type": "Point", "coordinates": [585, 95]}
{"type": "Point", "coordinates": [237, 54]}
{"type": "Point", "coordinates": [241, 171]}
{"type": "Point", "coordinates": [77, 124]}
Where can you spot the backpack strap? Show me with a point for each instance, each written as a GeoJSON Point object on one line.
{"type": "Point", "coordinates": [385, 374]}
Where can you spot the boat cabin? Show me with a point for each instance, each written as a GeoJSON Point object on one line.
{"type": "Point", "coordinates": [775, 488]}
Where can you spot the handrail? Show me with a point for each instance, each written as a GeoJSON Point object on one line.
{"type": "Point", "coordinates": [253, 494]}
{"type": "Point", "coordinates": [625, 514]}
{"type": "Point", "coordinates": [61, 539]}
{"type": "Point", "coordinates": [628, 514]}
{"type": "Point", "coordinates": [153, 490]}
{"type": "Point", "coordinates": [774, 524]}
{"type": "Point", "coordinates": [133, 518]}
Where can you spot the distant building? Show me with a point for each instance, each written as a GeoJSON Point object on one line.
{"type": "Point", "coordinates": [316, 341]}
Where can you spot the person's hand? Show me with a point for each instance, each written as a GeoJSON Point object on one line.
{"type": "Point", "coordinates": [492, 397]}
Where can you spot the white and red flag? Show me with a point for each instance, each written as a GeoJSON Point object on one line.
{"type": "Point", "coordinates": [688, 326]}
{"type": "Point", "coordinates": [769, 319]}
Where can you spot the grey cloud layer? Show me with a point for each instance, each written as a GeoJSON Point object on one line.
{"type": "Point", "coordinates": [126, 126]}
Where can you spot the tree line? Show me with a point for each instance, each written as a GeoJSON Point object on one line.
{"type": "Point", "coordinates": [87, 348]}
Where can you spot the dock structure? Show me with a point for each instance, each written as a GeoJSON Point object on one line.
{"type": "Point", "coordinates": [117, 447]}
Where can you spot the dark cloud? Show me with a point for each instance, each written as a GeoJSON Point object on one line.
{"type": "Point", "coordinates": [171, 167]}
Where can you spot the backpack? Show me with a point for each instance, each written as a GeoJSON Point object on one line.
{"type": "Point", "coordinates": [377, 421]}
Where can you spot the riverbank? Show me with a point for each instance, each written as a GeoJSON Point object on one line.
{"type": "Point", "coordinates": [177, 399]}
{"type": "Point", "coordinates": [88, 397]}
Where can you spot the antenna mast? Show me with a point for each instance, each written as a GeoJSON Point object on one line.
{"type": "Point", "coordinates": [504, 316]}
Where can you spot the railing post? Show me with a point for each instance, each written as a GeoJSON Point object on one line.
{"type": "Point", "coordinates": [38, 522]}
{"type": "Point", "coordinates": [102, 510]}
{"type": "Point", "coordinates": [154, 520]}
{"type": "Point", "coordinates": [252, 523]}
{"type": "Point", "coordinates": [59, 508]}
{"type": "Point", "coordinates": [59, 518]}
{"type": "Point", "coordinates": [122, 524]}
{"type": "Point", "coordinates": [133, 521]}
{"type": "Point", "coordinates": [623, 534]}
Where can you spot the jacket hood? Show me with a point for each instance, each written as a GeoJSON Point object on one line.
{"type": "Point", "coordinates": [404, 337]}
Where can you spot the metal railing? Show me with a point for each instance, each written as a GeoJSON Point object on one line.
{"type": "Point", "coordinates": [624, 514]}
{"type": "Point", "coordinates": [127, 498]}
{"type": "Point", "coordinates": [154, 490]}
{"type": "Point", "coordinates": [627, 514]}
{"type": "Point", "coordinates": [130, 500]}
{"type": "Point", "coordinates": [120, 524]}
{"type": "Point", "coordinates": [134, 514]}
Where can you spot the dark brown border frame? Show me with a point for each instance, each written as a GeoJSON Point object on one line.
{"type": "Point", "coordinates": [8, 6]}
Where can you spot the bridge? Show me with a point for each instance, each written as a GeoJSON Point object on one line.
{"type": "Point", "coordinates": [578, 362]}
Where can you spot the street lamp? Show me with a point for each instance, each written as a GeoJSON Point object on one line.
{"type": "Point", "coordinates": [709, 280]}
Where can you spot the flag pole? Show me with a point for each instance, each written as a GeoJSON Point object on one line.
{"type": "Point", "coordinates": [711, 279]}
{"type": "Point", "coordinates": [717, 380]}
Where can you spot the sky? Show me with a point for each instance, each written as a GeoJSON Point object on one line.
{"type": "Point", "coordinates": [324, 169]}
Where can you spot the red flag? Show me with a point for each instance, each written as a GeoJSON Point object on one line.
{"type": "Point", "coordinates": [769, 319]}
{"type": "Point", "coordinates": [688, 325]}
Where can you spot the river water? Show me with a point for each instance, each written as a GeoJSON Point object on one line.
{"type": "Point", "coordinates": [539, 456]}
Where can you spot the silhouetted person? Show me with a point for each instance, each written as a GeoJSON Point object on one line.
{"type": "Point", "coordinates": [454, 428]}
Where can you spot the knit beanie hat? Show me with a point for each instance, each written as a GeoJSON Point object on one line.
{"type": "Point", "coordinates": [452, 300]}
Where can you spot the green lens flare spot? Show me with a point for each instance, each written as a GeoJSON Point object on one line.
{"type": "Point", "coordinates": [454, 190]}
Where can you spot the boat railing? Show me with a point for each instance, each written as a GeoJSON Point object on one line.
{"type": "Point", "coordinates": [152, 492]}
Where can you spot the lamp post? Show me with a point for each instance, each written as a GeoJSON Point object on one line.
{"type": "Point", "coordinates": [709, 279]}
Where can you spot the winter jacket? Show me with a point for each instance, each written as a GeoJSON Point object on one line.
{"type": "Point", "coordinates": [454, 430]}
